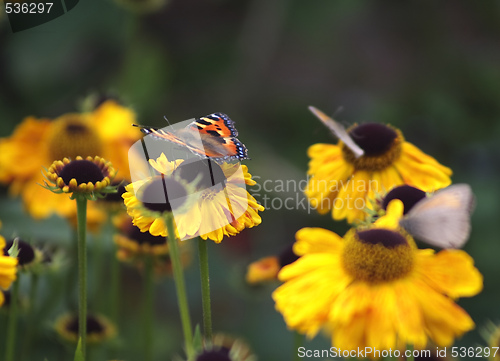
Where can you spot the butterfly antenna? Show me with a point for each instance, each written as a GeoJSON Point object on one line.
{"type": "Point", "coordinates": [338, 111]}
{"type": "Point", "coordinates": [165, 117]}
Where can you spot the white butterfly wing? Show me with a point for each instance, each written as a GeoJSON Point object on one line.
{"type": "Point", "coordinates": [442, 220]}
{"type": "Point", "coordinates": [338, 130]}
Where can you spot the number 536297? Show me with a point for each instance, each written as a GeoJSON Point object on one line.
{"type": "Point", "coordinates": [28, 8]}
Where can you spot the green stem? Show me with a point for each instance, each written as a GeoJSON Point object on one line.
{"type": "Point", "coordinates": [205, 289]}
{"type": "Point", "coordinates": [148, 308]}
{"type": "Point", "coordinates": [115, 288]}
{"type": "Point", "coordinates": [410, 358]}
{"type": "Point", "coordinates": [12, 325]}
{"type": "Point", "coordinates": [32, 316]}
{"type": "Point", "coordinates": [180, 285]}
{"type": "Point", "coordinates": [81, 212]}
{"type": "Point", "coordinates": [298, 341]}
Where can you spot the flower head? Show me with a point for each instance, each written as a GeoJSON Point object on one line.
{"type": "Point", "coordinates": [36, 143]}
{"type": "Point", "coordinates": [374, 288]}
{"type": "Point", "coordinates": [135, 246]}
{"type": "Point", "coordinates": [343, 183]}
{"type": "Point", "coordinates": [90, 177]}
{"type": "Point", "coordinates": [219, 204]}
{"type": "Point", "coordinates": [267, 268]}
{"type": "Point", "coordinates": [99, 328]}
{"type": "Point", "coordinates": [225, 348]}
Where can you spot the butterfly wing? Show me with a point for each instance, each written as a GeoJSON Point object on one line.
{"type": "Point", "coordinates": [442, 220]}
{"type": "Point", "coordinates": [212, 136]}
{"type": "Point", "coordinates": [338, 130]}
{"type": "Point", "coordinates": [218, 138]}
{"type": "Point", "coordinates": [173, 137]}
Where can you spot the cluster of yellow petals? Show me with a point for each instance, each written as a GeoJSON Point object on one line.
{"type": "Point", "coordinates": [104, 166]}
{"type": "Point", "coordinates": [8, 270]}
{"type": "Point", "coordinates": [319, 293]}
{"type": "Point", "coordinates": [336, 186]}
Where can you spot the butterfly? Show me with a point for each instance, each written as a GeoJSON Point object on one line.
{"type": "Point", "coordinates": [338, 130]}
{"type": "Point", "coordinates": [443, 219]}
{"type": "Point", "coordinates": [216, 132]}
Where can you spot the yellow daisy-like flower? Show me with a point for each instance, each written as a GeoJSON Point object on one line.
{"type": "Point", "coordinates": [266, 269]}
{"type": "Point", "coordinates": [374, 288]}
{"type": "Point", "coordinates": [8, 269]}
{"type": "Point", "coordinates": [343, 184]}
{"type": "Point", "coordinates": [90, 177]}
{"type": "Point", "coordinates": [134, 246]}
{"type": "Point", "coordinates": [132, 242]}
{"type": "Point", "coordinates": [212, 216]}
{"type": "Point", "coordinates": [99, 328]}
{"type": "Point", "coordinates": [36, 143]}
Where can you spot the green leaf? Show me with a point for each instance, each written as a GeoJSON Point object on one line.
{"type": "Point", "coordinates": [79, 354]}
{"type": "Point", "coordinates": [197, 340]}
{"type": "Point", "coordinates": [14, 250]}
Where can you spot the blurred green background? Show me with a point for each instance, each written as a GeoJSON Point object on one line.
{"type": "Point", "coordinates": [430, 68]}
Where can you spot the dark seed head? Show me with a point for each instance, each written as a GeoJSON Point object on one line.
{"type": "Point", "coordinates": [215, 355]}
{"type": "Point", "coordinates": [26, 252]}
{"type": "Point", "coordinates": [161, 193]}
{"type": "Point", "coordinates": [287, 256]}
{"type": "Point", "coordinates": [375, 139]}
{"type": "Point", "coordinates": [210, 172]}
{"type": "Point", "coordinates": [388, 239]}
{"type": "Point", "coordinates": [407, 194]}
{"type": "Point", "coordinates": [83, 171]}
{"type": "Point", "coordinates": [6, 300]}
{"type": "Point", "coordinates": [93, 325]}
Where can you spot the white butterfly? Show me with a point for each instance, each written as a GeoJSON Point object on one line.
{"type": "Point", "coordinates": [443, 219]}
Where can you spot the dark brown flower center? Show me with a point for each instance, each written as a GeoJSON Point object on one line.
{"type": "Point", "coordinates": [373, 138]}
{"type": "Point", "coordinates": [83, 171]}
{"type": "Point", "coordinates": [407, 194]}
{"type": "Point", "coordinates": [209, 172]}
{"type": "Point", "coordinates": [93, 325]}
{"type": "Point", "coordinates": [215, 355]}
{"type": "Point", "coordinates": [388, 239]}
{"type": "Point", "coordinates": [287, 256]}
{"type": "Point", "coordinates": [71, 136]}
{"type": "Point", "coordinates": [163, 194]}
{"type": "Point", "coordinates": [26, 252]}
{"type": "Point", "coordinates": [377, 255]}
{"type": "Point", "coordinates": [381, 145]}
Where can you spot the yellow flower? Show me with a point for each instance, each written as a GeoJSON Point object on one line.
{"type": "Point", "coordinates": [99, 328]}
{"type": "Point", "coordinates": [8, 269]}
{"type": "Point", "coordinates": [36, 143]}
{"type": "Point", "coordinates": [343, 184]}
{"type": "Point", "coordinates": [132, 242]}
{"type": "Point", "coordinates": [222, 207]}
{"type": "Point", "coordinates": [134, 246]}
{"type": "Point", "coordinates": [267, 268]}
{"type": "Point", "coordinates": [90, 177]}
{"type": "Point", "coordinates": [374, 288]}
